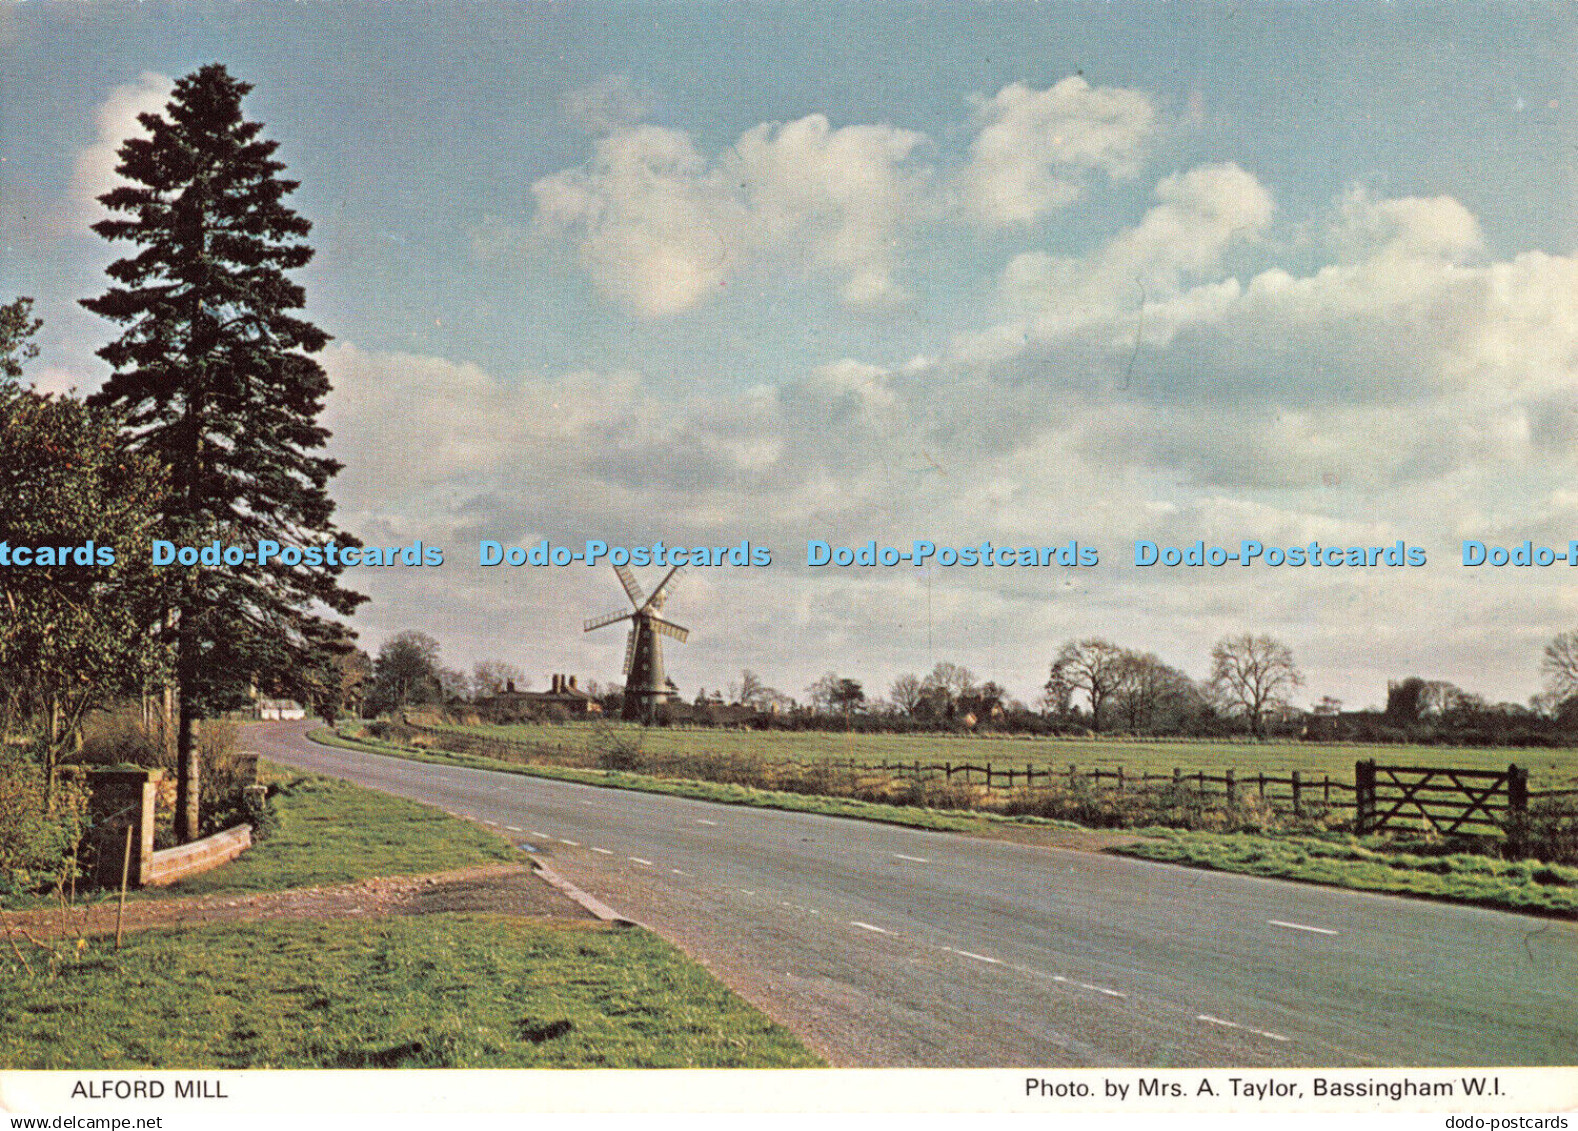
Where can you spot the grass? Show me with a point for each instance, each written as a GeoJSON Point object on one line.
{"type": "Point", "coordinates": [460, 991]}
{"type": "Point", "coordinates": [331, 832]}
{"type": "Point", "coordinates": [1524, 885]}
{"type": "Point", "coordinates": [910, 816]}
{"type": "Point", "coordinates": [438, 991]}
{"type": "Point", "coordinates": [1548, 768]}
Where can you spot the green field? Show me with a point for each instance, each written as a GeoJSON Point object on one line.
{"type": "Point", "coordinates": [1548, 768]}
{"type": "Point", "coordinates": [435, 991]}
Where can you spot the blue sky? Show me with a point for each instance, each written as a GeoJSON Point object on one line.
{"type": "Point", "coordinates": [1008, 271]}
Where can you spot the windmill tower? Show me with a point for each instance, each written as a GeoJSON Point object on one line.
{"type": "Point", "coordinates": [646, 686]}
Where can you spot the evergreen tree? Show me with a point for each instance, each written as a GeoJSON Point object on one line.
{"type": "Point", "coordinates": [214, 377]}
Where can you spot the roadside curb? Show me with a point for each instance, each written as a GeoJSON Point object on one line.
{"type": "Point", "coordinates": [590, 902]}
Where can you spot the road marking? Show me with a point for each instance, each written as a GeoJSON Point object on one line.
{"type": "Point", "coordinates": [1088, 986]}
{"type": "Point", "coordinates": [638, 860]}
{"type": "Point", "coordinates": [704, 821]}
{"type": "Point", "coordinates": [913, 859]}
{"type": "Point", "coordinates": [485, 821]}
{"type": "Point", "coordinates": [677, 872]}
{"type": "Point", "coordinates": [602, 851]}
{"type": "Point", "coordinates": [1209, 1020]}
{"type": "Point", "coordinates": [867, 927]}
{"type": "Point", "coordinates": [514, 828]}
{"type": "Point", "coordinates": [1100, 990]}
{"type": "Point", "coordinates": [977, 957]}
{"type": "Point", "coordinates": [571, 843]}
{"type": "Point", "coordinates": [540, 836]}
{"type": "Point", "coordinates": [587, 801]}
{"type": "Point", "coordinates": [744, 891]}
{"type": "Point", "coordinates": [1300, 927]}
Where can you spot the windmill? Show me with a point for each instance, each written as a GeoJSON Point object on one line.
{"type": "Point", "coordinates": [646, 687]}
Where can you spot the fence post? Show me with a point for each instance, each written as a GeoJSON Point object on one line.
{"type": "Point", "coordinates": [1232, 786]}
{"type": "Point", "coordinates": [1073, 775]}
{"type": "Point", "coordinates": [1298, 805]}
{"type": "Point", "coordinates": [1517, 810]}
{"type": "Point", "coordinates": [947, 772]}
{"type": "Point", "coordinates": [1364, 796]}
{"type": "Point", "coordinates": [1120, 779]}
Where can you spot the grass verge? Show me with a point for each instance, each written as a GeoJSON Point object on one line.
{"type": "Point", "coordinates": [1524, 885]}
{"type": "Point", "coordinates": [437, 991]}
{"type": "Point", "coordinates": [332, 832]}
{"type": "Point", "coordinates": [942, 820]}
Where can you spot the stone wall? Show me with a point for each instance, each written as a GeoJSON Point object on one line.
{"type": "Point", "coordinates": [171, 864]}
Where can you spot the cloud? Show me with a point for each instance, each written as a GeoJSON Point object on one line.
{"type": "Point", "coordinates": [1037, 149]}
{"type": "Point", "coordinates": [660, 227]}
{"type": "Point", "coordinates": [115, 120]}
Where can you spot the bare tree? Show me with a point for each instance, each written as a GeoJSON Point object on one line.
{"type": "Point", "coordinates": [1096, 667]}
{"type": "Point", "coordinates": [1561, 665]}
{"type": "Point", "coordinates": [750, 691]}
{"type": "Point", "coordinates": [907, 693]}
{"type": "Point", "coordinates": [1253, 675]}
{"type": "Point", "coordinates": [490, 677]}
{"type": "Point", "coordinates": [1151, 696]}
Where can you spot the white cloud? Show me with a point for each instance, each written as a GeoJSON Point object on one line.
{"type": "Point", "coordinates": [1036, 149]}
{"type": "Point", "coordinates": [115, 120]}
{"type": "Point", "coordinates": [660, 227]}
{"type": "Point", "coordinates": [655, 225]}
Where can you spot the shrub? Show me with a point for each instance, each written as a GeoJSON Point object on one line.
{"type": "Point", "coordinates": [38, 834]}
{"type": "Point", "coordinates": [1551, 833]}
{"type": "Point", "coordinates": [117, 738]}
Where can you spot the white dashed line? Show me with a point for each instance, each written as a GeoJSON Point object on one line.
{"type": "Point", "coordinates": [1209, 1020]}
{"type": "Point", "coordinates": [867, 927]}
{"type": "Point", "coordinates": [704, 821]}
{"type": "Point", "coordinates": [539, 835]}
{"type": "Point", "coordinates": [638, 860]}
{"type": "Point", "coordinates": [1300, 927]}
{"type": "Point", "coordinates": [1088, 986]}
{"type": "Point", "coordinates": [601, 851]}
{"type": "Point", "coordinates": [912, 859]}
{"type": "Point", "coordinates": [494, 824]}
{"type": "Point", "coordinates": [514, 828]}
{"type": "Point", "coordinates": [977, 957]}
{"type": "Point", "coordinates": [1101, 990]}
{"type": "Point", "coordinates": [571, 843]}
{"type": "Point", "coordinates": [746, 891]}
{"type": "Point", "coordinates": [677, 872]}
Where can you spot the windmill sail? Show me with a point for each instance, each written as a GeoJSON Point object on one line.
{"type": "Point", "coordinates": [630, 649]}
{"type": "Point", "coordinates": [610, 618]}
{"type": "Point", "coordinates": [632, 590]}
{"type": "Point", "coordinates": [668, 629]}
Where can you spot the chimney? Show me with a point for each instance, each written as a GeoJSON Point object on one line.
{"type": "Point", "coordinates": [558, 683]}
{"type": "Point", "coordinates": [572, 683]}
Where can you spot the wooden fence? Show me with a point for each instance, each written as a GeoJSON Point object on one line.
{"type": "Point", "coordinates": [1448, 801]}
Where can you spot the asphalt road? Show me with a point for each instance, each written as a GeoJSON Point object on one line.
{"type": "Point", "coordinates": [884, 946]}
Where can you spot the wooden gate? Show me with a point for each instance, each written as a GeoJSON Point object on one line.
{"type": "Point", "coordinates": [1449, 801]}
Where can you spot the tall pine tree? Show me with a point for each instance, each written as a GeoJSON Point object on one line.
{"type": "Point", "coordinates": [213, 376]}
